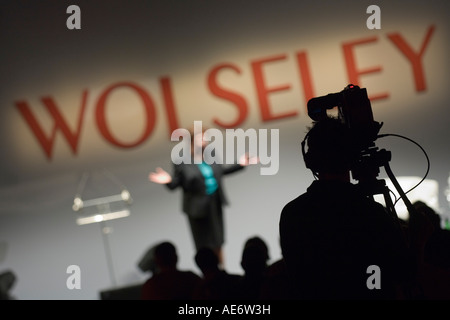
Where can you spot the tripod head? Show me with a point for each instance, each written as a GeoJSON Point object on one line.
{"type": "Point", "coordinates": [367, 169]}
{"type": "Point", "coordinates": [367, 166]}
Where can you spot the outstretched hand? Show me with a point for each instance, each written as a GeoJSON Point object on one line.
{"type": "Point", "coordinates": [160, 176]}
{"type": "Point", "coordinates": [245, 160]}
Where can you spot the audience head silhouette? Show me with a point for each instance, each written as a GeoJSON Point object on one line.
{"type": "Point", "coordinates": [430, 213]}
{"type": "Point", "coordinates": [206, 259]}
{"type": "Point", "coordinates": [169, 283]}
{"type": "Point", "coordinates": [255, 255]}
{"type": "Point", "coordinates": [166, 255]}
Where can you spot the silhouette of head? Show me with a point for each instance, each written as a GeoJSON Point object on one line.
{"type": "Point", "coordinates": [206, 259]}
{"type": "Point", "coordinates": [429, 212]}
{"type": "Point", "coordinates": [165, 255]}
{"type": "Point", "coordinates": [7, 281]}
{"type": "Point", "coordinates": [255, 255]}
{"type": "Point", "coordinates": [329, 147]}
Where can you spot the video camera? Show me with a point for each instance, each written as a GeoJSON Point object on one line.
{"type": "Point", "coordinates": [355, 111]}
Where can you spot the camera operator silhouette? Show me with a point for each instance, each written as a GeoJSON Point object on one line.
{"type": "Point", "coordinates": [336, 241]}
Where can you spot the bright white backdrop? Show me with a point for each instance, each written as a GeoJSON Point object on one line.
{"type": "Point", "coordinates": [169, 50]}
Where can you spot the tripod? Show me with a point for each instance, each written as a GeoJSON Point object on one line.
{"type": "Point", "coordinates": [366, 172]}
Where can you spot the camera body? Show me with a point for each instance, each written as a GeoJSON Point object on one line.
{"type": "Point", "coordinates": [354, 110]}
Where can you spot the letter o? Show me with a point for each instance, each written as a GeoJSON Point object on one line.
{"type": "Point", "coordinates": [149, 110]}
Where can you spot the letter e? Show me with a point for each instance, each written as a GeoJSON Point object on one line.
{"type": "Point", "coordinates": [374, 281]}
{"type": "Point", "coordinates": [374, 21]}
{"type": "Point", "coordinates": [74, 280]}
{"type": "Point", "coordinates": [74, 21]}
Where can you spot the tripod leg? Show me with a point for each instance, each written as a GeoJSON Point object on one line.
{"type": "Point", "coordinates": [389, 204]}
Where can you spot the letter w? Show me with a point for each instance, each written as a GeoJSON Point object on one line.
{"type": "Point", "coordinates": [59, 124]}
